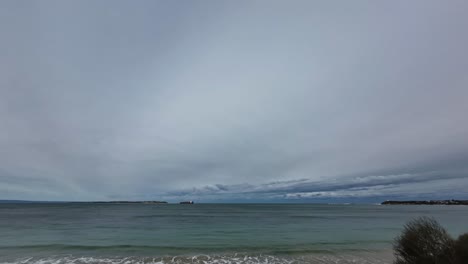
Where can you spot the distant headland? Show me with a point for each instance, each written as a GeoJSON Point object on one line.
{"type": "Point", "coordinates": [125, 202]}
{"type": "Point", "coordinates": [90, 202]}
{"type": "Point", "coordinates": [430, 202]}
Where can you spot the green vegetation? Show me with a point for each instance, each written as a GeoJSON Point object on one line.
{"type": "Point", "coordinates": [424, 241]}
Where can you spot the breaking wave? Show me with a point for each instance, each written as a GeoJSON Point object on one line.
{"type": "Point", "coordinates": [210, 259]}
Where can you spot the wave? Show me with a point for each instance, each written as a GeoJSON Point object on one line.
{"type": "Point", "coordinates": [318, 247]}
{"type": "Point", "coordinates": [210, 259]}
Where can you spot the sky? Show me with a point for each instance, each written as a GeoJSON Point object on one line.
{"type": "Point", "coordinates": [233, 101]}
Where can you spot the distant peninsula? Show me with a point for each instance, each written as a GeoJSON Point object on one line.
{"type": "Point", "coordinates": [85, 202]}
{"type": "Point", "coordinates": [430, 202]}
{"type": "Point", "coordinates": [125, 202]}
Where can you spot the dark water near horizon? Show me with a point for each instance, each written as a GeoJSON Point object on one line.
{"type": "Point", "coordinates": [209, 233]}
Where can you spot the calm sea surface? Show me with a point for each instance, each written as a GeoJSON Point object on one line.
{"type": "Point", "coordinates": [209, 233]}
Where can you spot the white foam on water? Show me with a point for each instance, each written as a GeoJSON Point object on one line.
{"type": "Point", "coordinates": [213, 259]}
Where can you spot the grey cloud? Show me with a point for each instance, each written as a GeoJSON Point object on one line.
{"type": "Point", "coordinates": [231, 100]}
{"type": "Point", "coordinates": [405, 185]}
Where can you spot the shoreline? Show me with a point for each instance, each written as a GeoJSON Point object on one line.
{"type": "Point", "coordinates": [362, 257]}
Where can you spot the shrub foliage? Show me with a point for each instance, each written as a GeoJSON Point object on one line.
{"type": "Point", "coordinates": [461, 249]}
{"type": "Point", "coordinates": [424, 241]}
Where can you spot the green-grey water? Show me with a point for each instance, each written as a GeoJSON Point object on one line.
{"type": "Point", "coordinates": [209, 233]}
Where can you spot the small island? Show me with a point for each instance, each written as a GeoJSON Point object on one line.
{"type": "Point", "coordinates": [429, 202]}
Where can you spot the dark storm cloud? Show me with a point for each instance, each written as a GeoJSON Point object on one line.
{"type": "Point", "coordinates": [232, 100]}
{"type": "Point", "coordinates": [367, 186]}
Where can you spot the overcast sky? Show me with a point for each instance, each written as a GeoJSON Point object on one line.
{"type": "Point", "coordinates": [233, 100]}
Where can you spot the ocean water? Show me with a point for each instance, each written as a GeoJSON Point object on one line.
{"type": "Point", "coordinates": [209, 233]}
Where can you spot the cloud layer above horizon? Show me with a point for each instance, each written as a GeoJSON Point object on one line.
{"type": "Point", "coordinates": [233, 100]}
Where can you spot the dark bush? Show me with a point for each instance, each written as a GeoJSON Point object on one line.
{"type": "Point", "coordinates": [424, 241]}
{"type": "Point", "coordinates": [461, 249]}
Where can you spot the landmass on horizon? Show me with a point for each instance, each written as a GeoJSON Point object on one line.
{"type": "Point", "coordinates": [97, 202]}
{"type": "Point", "coordinates": [87, 202]}
{"type": "Point", "coordinates": [430, 202]}
{"type": "Point", "coordinates": [388, 202]}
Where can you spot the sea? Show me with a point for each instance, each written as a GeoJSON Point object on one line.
{"type": "Point", "coordinates": [87, 233]}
